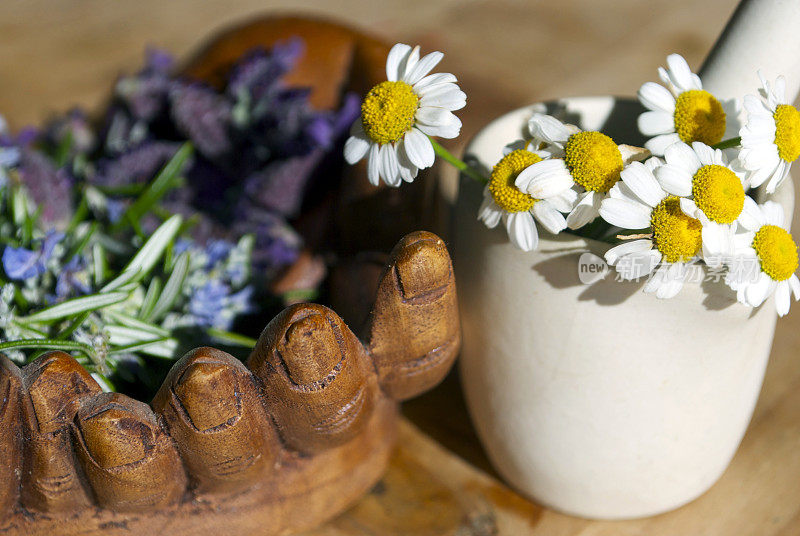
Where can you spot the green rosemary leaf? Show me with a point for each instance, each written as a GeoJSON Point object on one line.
{"type": "Point", "coordinates": [74, 306]}
{"type": "Point", "coordinates": [138, 346]}
{"type": "Point", "coordinates": [172, 288]}
{"type": "Point", "coordinates": [47, 344]}
{"type": "Point", "coordinates": [150, 298]}
{"type": "Point", "coordinates": [132, 322]}
{"type": "Point", "coordinates": [75, 324]}
{"type": "Point", "coordinates": [148, 254]}
{"type": "Point", "coordinates": [123, 335]}
{"type": "Point", "coordinates": [80, 213]}
{"type": "Point", "coordinates": [104, 382]}
{"type": "Point", "coordinates": [234, 339]}
{"type": "Point", "coordinates": [83, 242]}
{"type": "Point", "coordinates": [99, 264]}
{"type": "Point", "coordinates": [166, 180]}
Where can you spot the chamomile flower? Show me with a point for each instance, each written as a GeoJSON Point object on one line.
{"type": "Point", "coordinates": [639, 202]}
{"type": "Point", "coordinates": [398, 115]}
{"type": "Point", "coordinates": [771, 135]}
{"type": "Point", "coordinates": [589, 160]}
{"type": "Point", "coordinates": [709, 191]}
{"type": "Point", "coordinates": [683, 110]}
{"type": "Point", "coordinates": [502, 200]}
{"type": "Point", "coordinates": [765, 258]}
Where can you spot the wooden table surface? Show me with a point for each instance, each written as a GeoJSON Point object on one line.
{"type": "Point", "coordinates": [58, 53]}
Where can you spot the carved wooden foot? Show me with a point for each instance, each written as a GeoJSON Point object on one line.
{"type": "Point", "coordinates": [276, 446]}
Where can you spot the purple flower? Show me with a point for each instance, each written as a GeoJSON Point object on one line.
{"type": "Point", "coordinates": [259, 73]}
{"type": "Point", "coordinates": [213, 305]}
{"type": "Point", "coordinates": [21, 264]}
{"type": "Point", "coordinates": [277, 245]}
{"type": "Point", "coordinates": [68, 283]}
{"type": "Point", "coordinates": [135, 166]}
{"type": "Point", "coordinates": [217, 250]}
{"type": "Point", "coordinates": [203, 117]}
{"type": "Point", "coordinates": [50, 187]}
{"type": "Point", "coordinates": [145, 94]}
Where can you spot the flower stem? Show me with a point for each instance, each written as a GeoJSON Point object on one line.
{"type": "Point", "coordinates": [727, 144]}
{"type": "Point", "coordinates": [460, 165]}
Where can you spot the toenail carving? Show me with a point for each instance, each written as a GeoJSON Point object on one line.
{"type": "Point", "coordinates": [416, 295]}
{"type": "Point", "coordinates": [213, 411]}
{"type": "Point", "coordinates": [333, 400]}
{"type": "Point", "coordinates": [56, 385]}
{"type": "Point", "coordinates": [129, 461]}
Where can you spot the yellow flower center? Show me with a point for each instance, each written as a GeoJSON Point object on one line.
{"type": "Point", "coordinates": [593, 160]}
{"type": "Point", "coordinates": [787, 132]}
{"type": "Point", "coordinates": [718, 192]}
{"type": "Point", "coordinates": [699, 117]}
{"type": "Point", "coordinates": [388, 111]}
{"type": "Point", "coordinates": [776, 251]}
{"type": "Point", "coordinates": [676, 236]}
{"type": "Point", "coordinates": [501, 183]}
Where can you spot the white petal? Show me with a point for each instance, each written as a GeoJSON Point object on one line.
{"type": "Point", "coordinates": [659, 144]}
{"type": "Point", "coordinates": [433, 80]}
{"type": "Point", "coordinates": [549, 217]}
{"type": "Point", "coordinates": [674, 180]}
{"type": "Point", "coordinates": [544, 179]}
{"type": "Point", "coordinates": [638, 264]}
{"type": "Point", "coordinates": [489, 213]}
{"type": "Point", "coordinates": [794, 283]}
{"type": "Point", "coordinates": [408, 63]}
{"type": "Point", "coordinates": [780, 174]}
{"type": "Point", "coordinates": [656, 122]}
{"type": "Point", "coordinates": [773, 213]}
{"type": "Point", "coordinates": [586, 210]}
{"type": "Point", "coordinates": [522, 230]}
{"type": "Point", "coordinates": [751, 217]}
{"type": "Point", "coordinates": [631, 246]}
{"type": "Point", "coordinates": [642, 182]}
{"type": "Point", "coordinates": [548, 128]}
{"type": "Point", "coordinates": [565, 201]}
{"type": "Point", "coordinates": [408, 171]}
{"type": "Point", "coordinates": [682, 156]}
{"type": "Point", "coordinates": [757, 292]}
{"type": "Point", "coordinates": [717, 243]}
{"type": "Point", "coordinates": [656, 97]}
{"type": "Point", "coordinates": [398, 53]}
{"type": "Point", "coordinates": [423, 67]}
{"type": "Point", "coordinates": [390, 169]}
{"type": "Point", "coordinates": [447, 96]}
{"type": "Point", "coordinates": [688, 207]}
{"type": "Point", "coordinates": [419, 149]}
{"type": "Point", "coordinates": [680, 73]}
{"type": "Point", "coordinates": [782, 298]}
{"type": "Point", "coordinates": [625, 213]}
{"type": "Point", "coordinates": [355, 148]}
{"type": "Point", "coordinates": [706, 155]}
{"type": "Point", "coordinates": [374, 164]}
{"type": "Point", "coordinates": [438, 122]}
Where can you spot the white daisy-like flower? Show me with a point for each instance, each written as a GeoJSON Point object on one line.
{"type": "Point", "coordinates": [764, 259]}
{"type": "Point", "coordinates": [502, 200]}
{"type": "Point", "coordinates": [709, 190]}
{"type": "Point", "coordinates": [398, 115]}
{"type": "Point", "coordinates": [683, 110]}
{"type": "Point", "coordinates": [771, 135]}
{"type": "Point", "coordinates": [674, 239]}
{"type": "Point", "coordinates": [587, 159]}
